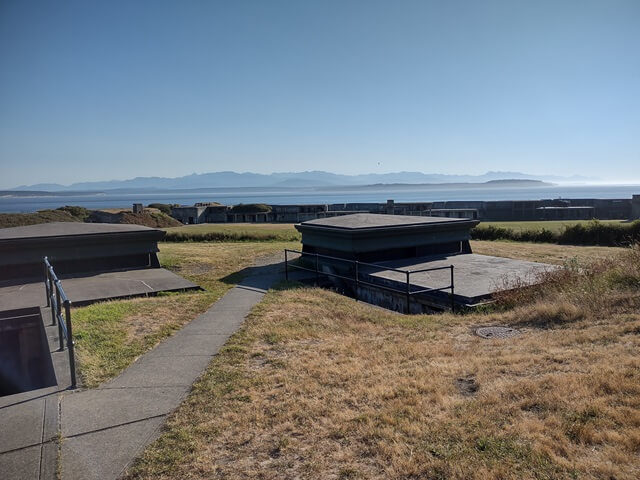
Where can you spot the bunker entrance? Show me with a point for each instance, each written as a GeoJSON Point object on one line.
{"type": "Point", "coordinates": [25, 357]}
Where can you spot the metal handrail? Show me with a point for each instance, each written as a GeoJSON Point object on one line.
{"type": "Point", "coordinates": [57, 300]}
{"type": "Point", "coordinates": [408, 291]}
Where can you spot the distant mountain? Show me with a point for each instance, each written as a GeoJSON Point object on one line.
{"type": "Point", "coordinates": [288, 180]}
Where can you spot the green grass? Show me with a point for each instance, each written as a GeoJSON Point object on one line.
{"type": "Point", "coordinates": [233, 232]}
{"type": "Point", "coordinates": [111, 335]}
{"type": "Point", "coordinates": [593, 232]}
{"type": "Point", "coordinates": [556, 226]}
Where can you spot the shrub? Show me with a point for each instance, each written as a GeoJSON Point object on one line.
{"type": "Point", "coordinates": [251, 208]}
{"type": "Point", "coordinates": [163, 207]}
{"type": "Point", "coordinates": [80, 213]}
{"type": "Point", "coordinates": [592, 233]}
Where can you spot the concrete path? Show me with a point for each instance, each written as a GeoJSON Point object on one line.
{"type": "Point", "coordinates": [95, 434]}
{"type": "Point", "coordinates": [104, 429]}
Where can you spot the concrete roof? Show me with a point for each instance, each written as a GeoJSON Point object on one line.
{"type": "Point", "coordinates": [65, 229]}
{"type": "Point", "coordinates": [372, 220]}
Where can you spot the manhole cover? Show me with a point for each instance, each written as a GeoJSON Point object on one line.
{"type": "Point", "coordinates": [497, 332]}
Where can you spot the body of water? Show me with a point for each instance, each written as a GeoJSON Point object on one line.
{"type": "Point", "coordinates": [419, 194]}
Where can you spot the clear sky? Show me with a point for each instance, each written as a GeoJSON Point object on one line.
{"type": "Point", "coordinates": [99, 90]}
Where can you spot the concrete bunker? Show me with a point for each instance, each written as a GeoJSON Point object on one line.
{"type": "Point", "coordinates": [407, 263]}
{"type": "Point", "coordinates": [94, 261]}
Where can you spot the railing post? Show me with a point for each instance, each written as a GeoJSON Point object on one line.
{"type": "Point", "coordinates": [357, 276]}
{"type": "Point", "coordinates": [286, 266]}
{"type": "Point", "coordinates": [46, 283]}
{"type": "Point", "coordinates": [52, 299]}
{"type": "Point", "coordinates": [408, 293]}
{"type": "Point", "coordinates": [72, 356]}
{"type": "Point", "coordinates": [317, 272]}
{"type": "Point", "coordinates": [453, 305]}
{"type": "Point", "coordinates": [57, 310]}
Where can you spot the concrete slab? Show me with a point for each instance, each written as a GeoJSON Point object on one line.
{"type": "Point", "coordinates": [21, 464]}
{"type": "Point", "coordinates": [22, 424]}
{"type": "Point", "coordinates": [374, 220]}
{"type": "Point", "coordinates": [475, 276]}
{"type": "Point", "coordinates": [158, 371]}
{"type": "Point", "coordinates": [86, 289]}
{"type": "Point", "coordinates": [105, 454]}
{"type": "Point", "coordinates": [185, 344]}
{"type": "Point", "coordinates": [93, 410]}
{"type": "Point", "coordinates": [66, 229]}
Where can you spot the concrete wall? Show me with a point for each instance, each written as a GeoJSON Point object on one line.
{"type": "Point", "coordinates": [505, 210]}
{"type": "Point", "coordinates": [635, 207]}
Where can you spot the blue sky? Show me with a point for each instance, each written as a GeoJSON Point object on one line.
{"type": "Point", "coordinates": [98, 90]}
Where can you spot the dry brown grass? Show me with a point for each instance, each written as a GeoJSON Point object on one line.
{"type": "Point", "coordinates": [319, 386]}
{"type": "Point", "coordinates": [543, 252]}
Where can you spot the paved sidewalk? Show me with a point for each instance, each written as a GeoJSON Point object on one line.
{"type": "Point", "coordinates": [104, 429]}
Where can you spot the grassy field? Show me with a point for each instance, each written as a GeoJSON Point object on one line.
{"type": "Point", "coordinates": [316, 385]}
{"type": "Point", "coordinates": [110, 335]}
{"type": "Point", "coordinates": [553, 225]}
{"type": "Point", "coordinates": [286, 232]}
{"type": "Point", "coordinates": [544, 252]}
{"type": "Point", "coordinates": [234, 232]}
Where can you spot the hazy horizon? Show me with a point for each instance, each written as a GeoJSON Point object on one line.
{"type": "Point", "coordinates": [92, 91]}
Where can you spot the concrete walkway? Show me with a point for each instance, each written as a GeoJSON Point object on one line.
{"type": "Point", "coordinates": [104, 429]}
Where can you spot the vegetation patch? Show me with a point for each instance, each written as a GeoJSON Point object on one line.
{"type": "Point", "coordinates": [111, 335]}
{"type": "Point", "coordinates": [8, 220]}
{"type": "Point", "coordinates": [234, 232]}
{"type": "Point", "coordinates": [251, 208]}
{"type": "Point", "coordinates": [585, 233]}
{"type": "Point", "coordinates": [317, 385]}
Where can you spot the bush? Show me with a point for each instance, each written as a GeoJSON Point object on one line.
{"type": "Point", "coordinates": [592, 233]}
{"type": "Point", "coordinates": [80, 213]}
{"type": "Point", "coordinates": [163, 207]}
{"type": "Point", "coordinates": [251, 208]}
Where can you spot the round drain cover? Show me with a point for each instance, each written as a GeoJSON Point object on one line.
{"type": "Point", "coordinates": [497, 332]}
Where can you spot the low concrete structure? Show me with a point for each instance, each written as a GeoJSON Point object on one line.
{"type": "Point", "coordinates": [382, 259]}
{"type": "Point", "coordinates": [371, 237]}
{"type": "Point", "coordinates": [94, 262]}
{"type": "Point", "coordinates": [76, 248]}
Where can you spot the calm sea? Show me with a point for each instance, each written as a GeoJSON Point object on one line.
{"type": "Point", "coordinates": [419, 194]}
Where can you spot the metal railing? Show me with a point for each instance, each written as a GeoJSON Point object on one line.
{"type": "Point", "coordinates": [57, 300]}
{"type": "Point", "coordinates": [408, 291]}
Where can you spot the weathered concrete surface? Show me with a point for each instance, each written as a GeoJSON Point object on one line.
{"type": "Point", "coordinates": [372, 220]}
{"type": "Point", "coordinates": [84, 289]}
{"type": "Point", "coordinates": [475, 276]}
{"type": "Point", "coordinates": [67, 229]}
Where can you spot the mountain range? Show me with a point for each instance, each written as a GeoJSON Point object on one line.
{"type": "Point", "coordinates": [289, 180]}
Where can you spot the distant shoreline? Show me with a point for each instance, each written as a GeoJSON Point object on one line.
{"type": "Point", "coordinates": [289, 196]}
{"type": "Point", "coordinates": [338, 188]}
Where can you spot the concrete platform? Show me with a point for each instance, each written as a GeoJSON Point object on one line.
{"type": "Point", "coordinates": [372, 237]}
{"type": "Point", "coordinates": [476, 277]}
{"type": "Point", "coordinates": [91, 288]}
